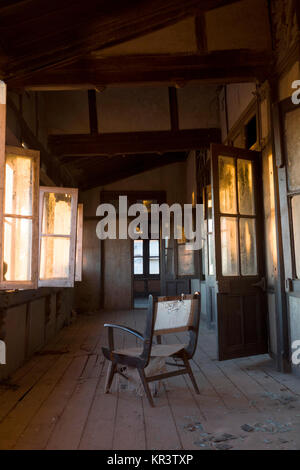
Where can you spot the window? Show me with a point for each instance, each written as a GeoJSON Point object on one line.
{"type": "Point", "coordinates": [238, 218]}
{"type": "Point", "coordinates": [153, 256]}
{"type": "Point", "coordinates": [138, 258]}
{"type": "Point", "coordinates": [28, 258]}
{"type": "Point", "coordinates": [209, 231]}
{"type": "Point", "coordinates": [19, 219]}
{"type": "Point", "coordinates": [58, 213]}
{"type": "Point", "coordinates": [146, 258]}
{"type": "Point", "coordinates": [78, 265]}
{"type": "Point", "coordinates": [292, 120]}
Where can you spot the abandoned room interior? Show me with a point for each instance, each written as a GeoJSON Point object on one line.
{"type": "Point", "coordinates": [165, 102]}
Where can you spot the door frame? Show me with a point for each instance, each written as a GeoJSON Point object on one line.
{"type": "Point", "coordinates": [225, 284]}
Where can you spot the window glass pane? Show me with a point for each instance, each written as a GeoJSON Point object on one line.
{"type": "Point", "coordinates": [248, 247]}
{"type": "Point", "coordinates": [138, 247]}
{"type": "Point", "coordinates": [18, 185]}
{"type": "Point", "coordinates": [154, 247]}
{"type": "Point", "coordinates": [292, 126]}
{"type": "Point", "coordinates": [227, 183]}
{"type": "Point", "coordinates": [154, 266]}
{"type": "Point", "coordinates": [209, 209]}
{"type": "Point", "coordinates": [211, 259]}
{"type": "Point", "coordinates": [57, 214]}
{"type": "Point", "coordinates": [229, 246]}
{"type": "Point", "coordinates": [186, 261]}
{"type": "Point", "coordinates": [296, 225]}
{"type": "Point", "coordinates": [245, 187]}
{"type": "Point", "coordinates": [17, 249]}
{"type": "Point", "coordinates": [138, 266]}
{"type": "Point", "coordinates": [55, 254]}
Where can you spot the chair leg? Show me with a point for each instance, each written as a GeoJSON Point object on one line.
{"type": "Point", "coordinates": [109, 376]}
{"type": "Point", "coordinates": [146, 386]}
{"type": "Point", "coordinates": [192, 377]}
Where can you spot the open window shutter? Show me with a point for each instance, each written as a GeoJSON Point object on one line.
{"type": "Point", "coordinates": [19, 219]}
{"type": "Point", "coordinates": [57, 241]}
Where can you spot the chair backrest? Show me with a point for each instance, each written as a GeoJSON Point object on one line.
{"type": "Point", "coordinates": [170, 315]}
{"type": "Point", "coordinates": [174, 314]}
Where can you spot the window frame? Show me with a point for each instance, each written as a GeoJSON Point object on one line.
{"type": "Point", "coordinates": [286, 194]}
{"type": "Point", "coordinates": [79, 241]}
{"type": "Point", "coordinates": [60, 282]}
{"type": "Point", "coordinates": [35, 156]}
{"type": "Point", "coordinates": [146, 260]}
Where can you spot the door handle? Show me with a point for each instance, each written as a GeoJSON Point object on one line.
{"type": "Point", "coordinates": [262, 284]}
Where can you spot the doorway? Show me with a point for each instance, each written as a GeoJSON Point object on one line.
{"type": "Point", "coordinates": [146, 271]}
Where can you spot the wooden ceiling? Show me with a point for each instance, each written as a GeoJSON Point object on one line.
{"type": "Point", "coordinates": [55, 44]}
{"type": "Point", "coordinates": [37, 35]}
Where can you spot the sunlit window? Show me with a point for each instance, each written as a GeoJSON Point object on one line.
{"type": "Point", "coordinates": [58, 211]}
{"type": "Point", "coordinates": [20, 219]}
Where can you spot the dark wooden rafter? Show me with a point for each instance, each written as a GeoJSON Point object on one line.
{"type": "Point", "coordinates": [92, 99]}
{"type": "Point", "coordinates": [133, 142]}
{"type": "Point", "coordinates": [173, 104]}
{"type": "Point", "coordinates": [70, 28]}
{"type": "Point", "coordinates": [108, 170]}
{"type": "Point", "coordinates": [200, 29]}
{"type": "Point", "coordinates": [236, 65]}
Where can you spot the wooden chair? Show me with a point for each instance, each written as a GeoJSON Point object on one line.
{"type": "Point", "coordinates": [165, 315]}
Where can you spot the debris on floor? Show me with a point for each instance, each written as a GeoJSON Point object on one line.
{"type": "Point", "coordinates": [281, 399]}
{"type": "Point", "coordinates": [216, 441]}
{"type": "Point", "coordinates": [247, 428]}
{"type": "Point", "coordinates": [269, 426]}
{"type": "Point", "coordinates": [193, 427]}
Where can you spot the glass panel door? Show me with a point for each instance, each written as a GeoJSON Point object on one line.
{"type": "Point", "coordinates": [237, 216]}
{"type": "Point", "coordinates": [241, 301]}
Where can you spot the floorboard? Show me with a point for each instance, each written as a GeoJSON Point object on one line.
{"type": "Point", "coordinates": [56, 400]}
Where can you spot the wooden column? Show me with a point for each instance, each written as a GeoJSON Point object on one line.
{"type": "Point", "coordinates": [2, 160]}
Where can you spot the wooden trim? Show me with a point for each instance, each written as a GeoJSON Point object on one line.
{"type": "Point", "coordinates": [79, 240]}
{"type": "Point", "coordinates": [2, 164]}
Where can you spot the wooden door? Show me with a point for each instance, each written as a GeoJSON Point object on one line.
{"type": "Point", "coordinates": [239, 255]}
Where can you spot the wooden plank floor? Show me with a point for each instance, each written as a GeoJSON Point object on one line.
{"type": "Point", "coordinates": [56, 399]}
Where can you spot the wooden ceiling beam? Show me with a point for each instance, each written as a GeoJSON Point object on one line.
{"type": "Point", "coordinates": [119, 168]}
{"type": "Point", "coordinates": [133, 142]}
{"type": "Point", "coordinates": [96, 72]}
{"type": "Point", "coordinates": [69, 29]}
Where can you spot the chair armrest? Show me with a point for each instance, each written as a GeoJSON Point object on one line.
{"type": "Point", "coordinates": [137, 334]}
